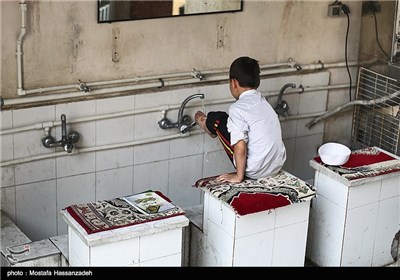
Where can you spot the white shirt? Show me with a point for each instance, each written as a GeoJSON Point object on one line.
{"type": "Point", "coordinates": [252, 119]}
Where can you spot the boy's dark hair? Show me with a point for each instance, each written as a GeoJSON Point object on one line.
{"type": "Point", "coordinates": [246, 71]}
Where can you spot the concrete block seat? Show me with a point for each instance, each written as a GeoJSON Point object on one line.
{"type": "Point", "coordinates": [260, 222]}
{"type": "Point", "coordinates": [17, 250]}
{"type": "Point", "coordinates": [113, 233]}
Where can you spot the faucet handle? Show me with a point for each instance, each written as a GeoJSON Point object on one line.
{"type": "Point", "coordinates": [186, 127]}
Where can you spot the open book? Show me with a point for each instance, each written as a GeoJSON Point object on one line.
{"type": "Point", "coordinates": [149, 202]}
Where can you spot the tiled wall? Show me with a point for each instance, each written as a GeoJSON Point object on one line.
{"type": "Point", "coordinates": [33, 193]}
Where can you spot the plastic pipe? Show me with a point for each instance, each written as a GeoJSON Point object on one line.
{"type": "Point", "coordinates": [20, 90]}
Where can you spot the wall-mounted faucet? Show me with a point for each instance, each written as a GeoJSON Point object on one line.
{"type": "Point", "coordinates": [83, 86]}
{"type": "Point", "coordinates": [184, 122]}
{"type": "Point", "coordinates": [282, 106]}
{"type": "Point", "coordinates": [67, 140]}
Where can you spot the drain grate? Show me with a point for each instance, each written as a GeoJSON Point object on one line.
{"type": "Point", "coordinates": [377, 124]}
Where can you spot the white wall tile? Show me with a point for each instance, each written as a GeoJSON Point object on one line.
{"type": "Point", "coordinates": [386, 228]}
{"type": "Point", "coordinates": [206, 208]}
{"type": "Point", "coordinates": [115, 130]}
{"type": "Point", "coordinates": [289, 129]}
{"type": "Point", "coordinates": [313, 101]}
{"type": "Point", "coordinates": [219, 248]}
{"type": "Point", "coordinates": [254, 250]}
{"type": "Point", "coordinates": [290, 148]}
{"type": "Point", "coordinates": [75, 164]}
{"type": "Point", "coordinates": [179, 95]}
{"type": "Point", "coordinates": [8, 202]}
{"type": "Point", "coordinates": [36, 209]}
{"type": "Point", "coordinates": [114, 183]}
{"type": "Point", "coordinates": [115, 104]}
{"type": "Point", "coordinates": [152, 175]}
{"type": "Point", "coordinates": [146, 125]}
{"type": "Point", "coordinates": [303, 130]}
{"type": "Point", "coordinates": [73, 111]}
{"type": "Point", "coordinates": [221, 215]}
{"type": "Point", "coordinates": [292, 214]}
{"type": "Point", "coordinates": [220, 91]}
{"type": "Point", "coordinates": [316, 79]}
{"type": "Point", "coordinates": [326, 241]}
{"type": "Point", "coordinates": [276, 83]}
{"type": "Point", "coordinates": [33, 115]}
{"type": "Point", "coordinates": [76, 110]}
{"type": "Point", "coordinates": [332, 190]}
{"type": "Point", "coordinates": [359, 236]}
{"type": "Point", "coordinates": [215, 163]}
{"type": "Point", "coordinates": [35, 171]}
{"type": "Point", "coordinates": [211, 144]}
{"type": "Point", "coordinates": [185, 172]}
{"type": "Point", "coordinates": [390, 187]}
{"type": "Point", "coordinates": [255, 223]}
{"type": "Point", "coordinates": [186, 146]}
{"type": "Point", "coordinates": [292, 100]}
{"type": "Point", "coordinates": [73, 190]}
{"type": "Point", "coordinates": [364, 194]}
{"type": "Point", "coordinates": [78, 251]}
{"type": "Point", "coordinates": [7, 176]}
{"type": "Point", "coordinates": [290, 245]}
{"type": "Point", "coordinates": [86, 132]}
{"type": "Point", "coordinates": [149, 100]}
{"type": "Point", "coordinates": [7, 147]}
{"type": "Point", "coordinates": [121, 253]}
{"type": "Point", "coordinates": [29, 143]}
{"type": "Point", "coordinates": [161, 244]}
{"type": "Point", "coordinates": [114, 158]}
{"type": "Point", "coordinates": [6, 119]}
{"type": "Point", "coordinates": [305, 149]}
{"type": "Point", "coordinates": [151, 152]}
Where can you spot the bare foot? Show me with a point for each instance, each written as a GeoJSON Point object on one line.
{"type": "Point", "coordinates": [200, 119]}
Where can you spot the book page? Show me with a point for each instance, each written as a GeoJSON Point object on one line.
{"type": "Point", "coordinates": [149, 202]}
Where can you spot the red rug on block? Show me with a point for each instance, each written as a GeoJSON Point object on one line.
{"type": "Point", "coordinates": [115, 213]}
{"type": "Point", "coordinates": [252, 196]}
{"type": "Point", "coordinates": [366, 162]}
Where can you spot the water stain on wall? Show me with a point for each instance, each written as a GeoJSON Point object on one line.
{"type": "Point", "coordinates": [73, 43]}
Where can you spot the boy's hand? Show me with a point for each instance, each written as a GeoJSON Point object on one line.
{"type": "Point", "coordinates": [229, 178]}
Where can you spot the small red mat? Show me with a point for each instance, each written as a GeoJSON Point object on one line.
{"type": "Point", "coordinates": [115, 213]}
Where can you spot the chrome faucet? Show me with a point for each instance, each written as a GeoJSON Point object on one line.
{"type": "Point", "coordinates": [281, 105]}
{"type": "Point", "coordinates": [67, 140]}
{"type": "Point", "coordinates": [184, 122]}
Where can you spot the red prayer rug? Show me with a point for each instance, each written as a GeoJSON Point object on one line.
{"type": "Point", "coordinates": [252, 196]}
{"type": "Point", "coordinates": [366, 162]}
{"type": "Point", "coordinates": [115, 213]}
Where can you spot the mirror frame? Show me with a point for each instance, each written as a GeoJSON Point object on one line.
{"type": "Point", "coordinates": [155, 17]}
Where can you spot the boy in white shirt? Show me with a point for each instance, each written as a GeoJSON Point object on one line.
{"type": "Point", "coordinates": [251, 134]}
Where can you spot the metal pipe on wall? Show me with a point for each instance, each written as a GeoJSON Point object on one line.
{"type": "Point", "coordinates": [50, 124]}
{"type": "Point", "coordinates": [33, 99]}
{"type": "Point", "coordinates": [98, 148]}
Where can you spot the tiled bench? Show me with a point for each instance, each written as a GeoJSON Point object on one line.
{"type": "Point", "coordinates": [271, 237]}
{"type": "Point", "coordinates": [125, 238]}
{"type": "Point", "coordinates": [18, 250]}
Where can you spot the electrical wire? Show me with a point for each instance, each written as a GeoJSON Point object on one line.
{"type": "Point", "coordinates": [376, 35]}
{"type": "Point", "coordinates": [345, 53]}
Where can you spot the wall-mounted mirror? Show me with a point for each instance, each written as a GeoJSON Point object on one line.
{"type": "Point", "coordinates": [113, 10]}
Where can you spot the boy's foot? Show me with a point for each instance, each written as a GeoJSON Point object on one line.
{"type": "Point", "coordinates": [200, 119]}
